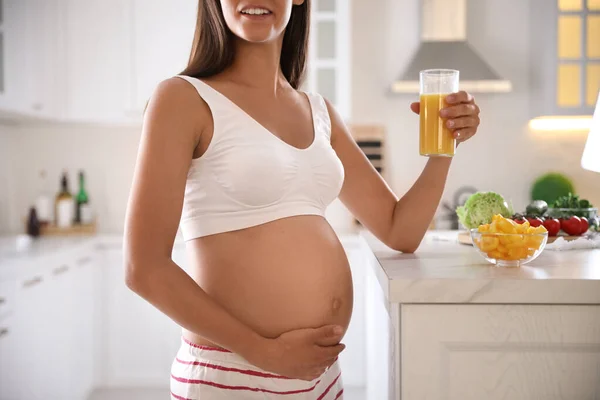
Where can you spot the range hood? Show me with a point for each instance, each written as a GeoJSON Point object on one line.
{"type": "Point", "coordinates": [444, 45]}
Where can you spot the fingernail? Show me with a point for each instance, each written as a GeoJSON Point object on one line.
{"type": "Point", "coordinates": [450, 98]}
{"type": "Point", "coordinates": [444, 112]}
{"type": "Point", "coordinates": [457, 135]}
{"type": "Point", "coordinates": [450, 124]}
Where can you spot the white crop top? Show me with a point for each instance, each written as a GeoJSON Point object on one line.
{"type": "Point", "coordinates": [248, 176]}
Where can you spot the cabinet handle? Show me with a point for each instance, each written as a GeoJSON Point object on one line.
{"type": "Point", "coordinates": [60, 270]}
{"type": "Point", "coordinates": [82, 261]}
{"type": "Point", "coordinates": [32, 282]}
{"type": "Point", "coordinates": [3, 332]}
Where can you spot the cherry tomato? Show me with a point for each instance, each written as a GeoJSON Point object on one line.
{"type": "Point", "coordinates": [552, 225]}
{"type": "Point", "coordinates": [584, 225]}
{"type": "Point", "coordinates": [519, 219]}
{"type": "Point", "coordinates": [571, 226]}
{"type": "Point", "coordinates": [535, 221]}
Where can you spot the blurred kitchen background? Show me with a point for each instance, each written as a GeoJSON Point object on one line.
{"type": "Point", "coordinates": [75, 76]}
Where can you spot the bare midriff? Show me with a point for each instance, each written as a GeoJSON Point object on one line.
{"type": "Point", "coordinates": [287, 274]}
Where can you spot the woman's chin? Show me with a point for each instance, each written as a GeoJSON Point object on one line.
{"type": "Point", "coordinates": [258, 35]}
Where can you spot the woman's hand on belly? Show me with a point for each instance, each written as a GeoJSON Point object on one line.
{"type": "Point", "coordinates": [301, 353]}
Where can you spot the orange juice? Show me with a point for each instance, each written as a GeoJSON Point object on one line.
{"type": "Point", "coordinates": [435, 139]}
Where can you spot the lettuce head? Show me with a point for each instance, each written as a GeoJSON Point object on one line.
{"type": "Point", "coordinates": [481, 207]}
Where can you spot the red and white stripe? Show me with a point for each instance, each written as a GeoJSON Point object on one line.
{"type": "Point", "coordinates": [214, 373]}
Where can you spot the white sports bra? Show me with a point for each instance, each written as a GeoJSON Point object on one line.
{"type": "Point", "coordinates": [248, 176]}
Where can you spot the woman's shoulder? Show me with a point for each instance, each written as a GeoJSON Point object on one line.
{"type": "Point", "coordinates": [177, 97]}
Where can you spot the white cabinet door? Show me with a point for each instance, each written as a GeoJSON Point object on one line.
{"type": "Point", "coordinates": [517, 352]}
{"type": "Point", "coordinates": [31, 55]}
{"type": "Point", "coordinates": [381, 330]}
{"type": "Point", "coordinates": [9, 377]}
{"type": "Point", "coordinates": [13, 58]}
{"type": "Point", "coordinates": [82, 317]}
{"type": "Point", "coordinates": [97, 62]}
{"type": "Point", "coordinates": [34, 364]}
{"type": "Point", "coordinates": [163, 32]}
{"type": "Point", "coordinates": [45, 75]}
{"type": "Point", "coordinates": [140, 338]}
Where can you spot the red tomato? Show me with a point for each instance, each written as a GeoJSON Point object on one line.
{"type": "Point", "coordinates": [584, 225]}
{"type": "Point", "coordinates": [535, 221]}
{"type": "Point", "coordinates": [552, 225]}
{"type": "Point", "coordinates": [571, 226]}
{"type": "Point", "coordinates": [519, 220]}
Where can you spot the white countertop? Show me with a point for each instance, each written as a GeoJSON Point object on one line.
{"type": "Point", "coordinates": [444, 271]}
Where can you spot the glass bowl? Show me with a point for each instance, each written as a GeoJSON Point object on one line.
{"type": "Point", "coordinates": [567, 213]}
{"type": "Point", "coordinates": [509, 249]}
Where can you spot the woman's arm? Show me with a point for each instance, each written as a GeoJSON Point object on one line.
{"type": "Point", "coordinates": [399, 223]}
{"type": "Point", "coordinates": [170, 133]}
{"type": "Point", "coordinates": [173, 126]}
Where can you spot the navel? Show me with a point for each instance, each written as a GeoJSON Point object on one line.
{"type": "Point", "coordinates": [336, 305]}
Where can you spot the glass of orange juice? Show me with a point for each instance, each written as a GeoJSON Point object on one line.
{"type": "Point", "coordinates": [435, 138]}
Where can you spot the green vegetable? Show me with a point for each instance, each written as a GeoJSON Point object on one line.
{"type": "Point", "coordinates": [594, 224]}
{"type": "Point", "coordinates": [481, 207]}
{"type": "Point", "coordinates": [551, 186]}
{"type": "Point", "coordinates": [537, 208]}
{"type": "Point", "coordinates": [571, 201]}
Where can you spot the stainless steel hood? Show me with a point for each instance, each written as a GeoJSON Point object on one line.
{"type": "Point", "coordinates": [444, 45]}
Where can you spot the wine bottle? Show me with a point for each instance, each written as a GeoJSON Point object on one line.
{"type": "Point", "coordinates": [65, 207]}
{"type": "Point", "coordinates": [82, 212]}
{"type": "Point", "coordinates": [33, 223]}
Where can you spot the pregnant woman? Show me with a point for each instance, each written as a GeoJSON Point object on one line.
{"type": "Point", "coordinates": [246, 164]}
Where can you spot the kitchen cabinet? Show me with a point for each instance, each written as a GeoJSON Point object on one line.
{"type": "Point", "coordinates": [111, 73]}
{"type": "Point", "coordinates": [565, 57]}
{"type": "Point", "coordinates": [8, 373]}
{"type": "Point", "coordinates": [13, 58]}
{"type": "Point", "coordinates": [82, 315]}
{"type": "Point", "coordinates": [444, 325]}
{"type": "Point", "coordinates": [97, 60]}
{"type": "Point", "coordinates": [141, 342]}
{"type": "Point", "coordinates": [30, 52]}
{"type": "Point", "coordinates": [529, 351]}
{"type": "Point", "coordinates": [162, 34]}
{"type": "Point", "coordinates": [48, 341]}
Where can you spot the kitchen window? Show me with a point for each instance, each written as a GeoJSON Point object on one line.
{"type": "Point", "coordinates": [578, 53]}
{"type": "Point", "coordinates": [328, 71]}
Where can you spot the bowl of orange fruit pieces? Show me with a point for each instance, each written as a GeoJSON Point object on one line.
{"type": "Point", "coordinates": [506, 243]}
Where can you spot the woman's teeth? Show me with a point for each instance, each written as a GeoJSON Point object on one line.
{"type": "Point", "coordinates": [256, 11]}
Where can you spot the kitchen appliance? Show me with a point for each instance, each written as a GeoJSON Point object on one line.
{"type": "Point", "coordinates": [444, 44]}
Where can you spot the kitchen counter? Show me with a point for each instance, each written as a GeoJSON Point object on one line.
{"type": "Point", "coordinates": [444, 271]}
{"type": "Point", "coordinates": [445, 324]}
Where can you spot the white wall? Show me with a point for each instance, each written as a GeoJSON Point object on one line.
{"type": "Point", "coordinates": [106, 155]}
{"type": "Point", "coordinates": [7, 178]}
{"type": "Point", "coordinates": [385, 34]}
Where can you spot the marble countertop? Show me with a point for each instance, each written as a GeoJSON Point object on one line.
{"type": "Point", "coordinates": [444, 271]}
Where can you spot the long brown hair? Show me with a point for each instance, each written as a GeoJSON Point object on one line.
{"type": "Point", "coordinates": [213, 47]}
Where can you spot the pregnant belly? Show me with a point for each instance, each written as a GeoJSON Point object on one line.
{"type": "Point", "coordinates": [288, 274]}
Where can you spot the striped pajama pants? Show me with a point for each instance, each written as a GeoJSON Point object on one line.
{"type": "Point", "coordinates": [207, 373]}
